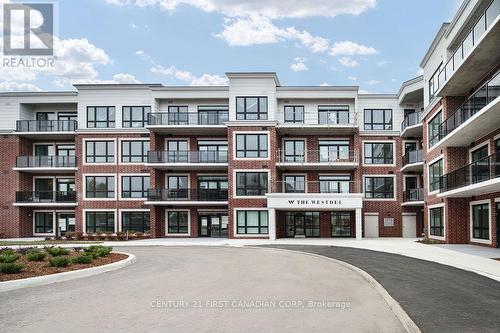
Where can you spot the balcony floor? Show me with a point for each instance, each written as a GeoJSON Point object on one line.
{"type": "Point", "coordinates": [47, 135]}
{"type": "Point", "coordinates": [488, 186]}
{"type": "Point", "coordinates": [47, 170]}
{"type": "Point", "coordinates": [188, 129]}
{"type": "Point", "coordinates": [314, 129]}
{"type": "Point", "coordinates": [413, 167]}
{"type": "Point", "coordinates": [318, 166]}
{"type": "Point", "coordinates": [186, 203]}
{"type": "Point", "coordinates": [414, 131]}
{"type": "Point", "coordinates": [187, 166]}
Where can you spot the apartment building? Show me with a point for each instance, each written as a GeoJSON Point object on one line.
{"type": "Point", "coordinates": [258, 159]}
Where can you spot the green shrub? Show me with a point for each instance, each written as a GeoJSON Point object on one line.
{"type": "Point", "coordinates": [98, 250]}
{"type": "Point", "coordinates": [85, 258]}
{"type": "Point", "coordinates": [35, 255]}
{"type": "Point", "coordinates": [7, 251]}
{"type": "Point", "coordinates": [9, 258]}
{"type": "Point", "coordinates": [57, 251]}
{"type": "Point", "coordinates": [59, 261]}
{"type": "Point", "coordinates": [11, 268]}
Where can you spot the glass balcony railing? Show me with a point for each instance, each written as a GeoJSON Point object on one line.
{"type": "Point", "coordinates": [414, 156]}
{"type": "Point", "coordinates": [46, 161]}
{"type": "Point", "coordinates": [45, 197]}
{"type": "Point", "coordinates": [411, 119]}
{"type": "Point", "coordinates": [46, 125]}
{"type": "Point", "coordinates": [414, 194]}
{"type": "Point", "coordinates": [481, 98]}
{"type": "Point", "coordinates": [317, 156]}
{"type": "Point", "coordinates": [188, 118]}
{"type": "Point", "coordinates": [470, 41]}
{"type": "Point", "coordinates": [187, 156]}
{"type": "Point", "coordinates": [322, 117]}
{"type": "Point", "coordinates": [322, 186]}
{"type": "Point", "coordinates": [482, 170]}
{"type": "Point", "coordinates": [166, 194]}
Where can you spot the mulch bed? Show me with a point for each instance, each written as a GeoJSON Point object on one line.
{"type": "Point", "coordinates": [39, 268]}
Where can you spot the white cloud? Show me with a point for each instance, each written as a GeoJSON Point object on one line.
{"type": "Point", "coordinates": [299, 65]}
{"type": "Point", "coordinates": [372, 82]}
{"type": "Point", "coordinates": [120, 78]}
{"type": "Point", "coordinates": [144, 56]}
{"type": "Point", "coordinates": [188, 77]}
{"type": "Point", "coordinates": [351, 48]}
{"type": "Point", "coordinates": [383, 63]}
{"type": "Point", "coordinates": [348, 62]}
{"type": "Point", "coordinates": [352, 78]}
{"type": "Point", "coordinates": [16, 86]}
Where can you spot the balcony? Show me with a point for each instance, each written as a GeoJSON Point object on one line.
{"type": "Point", "coordinates": [477, 178]}
{"type": "Point", "coordinates": [319, 123]}
{"type": "Point", "coordinates": [412, 125]}
{"type": "Point", "coordinates": [182, 160]}
{"type": "Point", "coordinates": [326, 186]}
{"type": "Point", "coordinates": [318, 160]}
{"type": "Point", "coordinates": [46, 164]}
{"type": "Point", "coordinates": [413, 197]}
{"type": "Point", "coordinates": [46, 198]}
{"type": "Point", "coordinates": [47, 129]}
{"type": "Point", "coordinates": [475, 118]}
{"type": "Point", "coordinates": [185, 123]}
{"type": "Point", "coordinates": [187, 197]}
{"type": "Point", "coordinates": [474, 58]}
{"type": "Point", "coordinates": [413, 161]}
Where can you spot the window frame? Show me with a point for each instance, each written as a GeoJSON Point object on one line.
{"type": "Point", "coordinates": [238, 187]}
{"type": "Point", "coordinates": [107, 176]}
{"type": "Point", "coordinates": [372, 197]}
{"type": "Point", "coordinates": [442, 225]}
{"type": "Point", "coordinates": [134, 211]}
{"type": "Point", "coordinates": [294, 119]}
{"type": "Point", "coordinates": [367, 159]}
{"type": "Point", "coordinates": [295, 157]}
{"type": "Point", "coordinates": [108, 151]}
{"type": "Point", "coordinates": [35, 232]}
{"type": "Point", "coordinates": [370, 126]}
{"type": "Point", "coordinates": [433, 139]}
{"type": "Point", "coordinates": [337, 110]}
{"type": "Point", "coordinates": [94, 212]}
{"type": "Point", "coordinates": [431, 181]}
{"type": "Point", "coordinates": [143, 122]}
{"type": "Point", "coordinates": [258, 149]}
{"type": "Point", "coordinates": [130, 142]}
{"type": "Point", "coordinates": [262, 223]}
{"type": "Point", "coordinates": [145, 184]}
{"type": "Point", "coordinates": [295, 176]}
{"type": "Point", "coordinates": [110, 116]}
{"type": "Point", "coordinates": [488, 222]}
{"type": "Point", "coordinates": [178, 225]}
{"type": "Point", "coordinates": [258, 113]}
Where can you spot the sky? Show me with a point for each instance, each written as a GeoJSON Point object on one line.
{"type": "Point", "coordinates": [374, 44]}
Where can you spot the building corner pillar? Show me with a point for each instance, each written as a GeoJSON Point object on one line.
{"type": "Point", "coordinates": [272, 224]}
{"type": "Point", "coordinates": [359, 225]}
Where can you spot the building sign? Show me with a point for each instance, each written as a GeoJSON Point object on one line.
{"type": "Point", "coordinates": [317, 201]}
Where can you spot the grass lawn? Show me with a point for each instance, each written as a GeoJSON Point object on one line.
{"type": "Point", "coordinates": [46, 242]}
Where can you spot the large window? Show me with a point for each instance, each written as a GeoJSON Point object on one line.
{"type": "Point", "coordinates": [294, 151]}
{"type": "Point", "coordinates": [177, 222]}
{"type": "Point", "coordinates": [178, 115]}
{"type": "Point", "coordinates": [99, 151]}
{"type": "Point", "coordinates": [333, 114]}
{"type": "Point", "coordinates": [100, 187]}
{"type": "Point", "coordinates": [99, 222]}
{"type": "Point", "coordinates": [100, 116]}
{"type": "Point", "coordinates": [435, 173]}
{"type": "Point", "coordinates": [177, 187]}
{"type": "Point", "coordinates": [481, 221]}
{"type": "Point", "coordinates": [135, 222]}
{"type": "Point", "coordinates": [379, 187]}
{"type": "Point", "coordinates": [294, 184]}
{"type": "Point", "coordinates": [251, 183]}
{"type": "Point", "coordinates": [251, 145]}
{"type": "Point", "coordinates": [294, 113]}
{"type": "Point", "coordinates": [378, 153]}
{"type": "Point", "coordinates": [134, 151]}
{"type": "Point", "coordinates": [434, 83]}
{"type": "Point", "coordinates": [341, 224]}
{"type": "Point", "coordinates": [334, 184]}
{"type": "Point", "coordinates": [44, 222]}
{"type": "Point", "coordinates": [378, 119]}
{"type": "Point", "coordinates": [251, 108]}
{"type": "Point", "coordinates": [433, 129]}
{"type": "Point", "coordinates": [333, 151]}
{"type": "Point", "coordinates": [436, 221]}
{"type": "Point", "coordinates": [135, 116]}
{"type": "Point", "coordinates": [135, 186]}
{"type": "Point", "coordinates": [213, 115]}
{"type": "Point", "coordinates": [253, 222]}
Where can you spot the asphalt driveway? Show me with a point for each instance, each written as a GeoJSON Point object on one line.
{"type": "Point", "coordinates": [437, 298]}
{"type": "Point", "coordinates": [205, 289]}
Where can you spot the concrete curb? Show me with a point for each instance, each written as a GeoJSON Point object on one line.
{"type": "Point", "coordinates": [66, 276]}
{"type": "Point", "coordinates": [405, 320]}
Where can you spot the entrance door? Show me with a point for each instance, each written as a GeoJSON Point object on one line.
{"type": "Point", "coordinates": [371, 226]}
{"type": "Point", "coordinates": [65, 223]}
{"type": "Point", "coordinates": [44, 188]}
{"type": "Point", "coordinates": [66, 189]}
{"type": "Point", "coordinates": [213, 225]}
{"type": "Point", "coordinates": [409, 226]}
{"type": "Point", "coordinates": [302, 224]}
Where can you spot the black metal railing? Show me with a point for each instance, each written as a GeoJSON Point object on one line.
{"type": "Point", "coordinates": [481, 98]}
{"type": "Point", "coordinates": [411, 119]}
{"type": "Point", "coordinates": [414, 156]}
{"type": "Point", "coordinates": [46, 125]}
{"type": "Point", "coordinates": [46, 161]}
{"type": "Point", "coordinates": [166, 194]}
{"type": "Point", "coordinates": [188, 118]}
{"type": "Point", "coordinates": [188, 156]}
{"type": "Point", "coordinates": [323, 186]}
{"type": "Point", "coordinates": [482, 170]}
{"type": "Point", "coordinates": [318, 156]}
{"type": "Point", "coordinates": [413, 194]}
{"type": "Point", "coordinates": [45, 196]}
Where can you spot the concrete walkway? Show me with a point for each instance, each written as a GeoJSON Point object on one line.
{"type": "Point", "coordinates": [185, 290]}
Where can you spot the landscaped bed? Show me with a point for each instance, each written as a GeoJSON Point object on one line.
{"type": "Point", "coordinates": [26, 263]}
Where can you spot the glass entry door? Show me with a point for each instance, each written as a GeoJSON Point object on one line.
{"type": "Point", "coordinates": [44, 188]}
{"type": "Point", "coordinates": [66, 222]}
{"type": "Point", "coordinates": [213, 225]}
{"type": "Point", "coordinates": [341, 224]}
{"type": "Point", "coordinates": [302, 224]}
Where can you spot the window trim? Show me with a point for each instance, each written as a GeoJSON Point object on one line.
{"type": "Point", "coordinates": [429, 164]}
{"type": "Point", "coordinates": [479, 146]}
{"type": "Point", "coordinates": [291, 174]}
{"type": "Point", "coordinates": [98, 210]}
{"type": "Point", "coordinates": [393, 142]}
{"type": "Point", "coordinates": [234, 146]}
{"type": "Point", "coordinates": [120, 151]}
{"type": "Point", "coordinates": [259, 227]}
{"type": "Point", "coordinates": [235, 222]}
{"type": "Point", "coordinates": [281, 158]}
{"type": "Point", "coordinates": [145, 115]}
{"type": "Point", "coordinates": [53, 221]}
{"type": "Point", "coordinates": [258, 108]}
{"type": "Point", "coordinates": [395, 191]}
{"type": "Point", "coordinates": [87, 121]}
{"type": "Point", "coordinates": [436, 144]}
{"type": "Point", "coordinates": [234, 187]}
{"type": "Point", "coordinates": [132, 210]}
{"type": "Point", "coordinates": [84, 151]}
{"type": "Point", "coordinates": [84, 186]}
{"type": "Point", "coordinates": [440, 205]}
{"type": "Point", "coordinates": [166, 222]}
{"type": "Point", "coordinates": [120, 185]}
{"type": "Point", "coordinates": [294, 120]}
{"type": "Point", "coordinates": [471, 222]}
{"type": "Point", "coordinates": [372, 123]}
